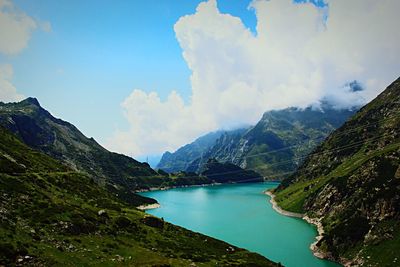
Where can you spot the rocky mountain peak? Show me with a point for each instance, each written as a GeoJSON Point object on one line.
{"type": "Point", "coordinates": [31, 101]}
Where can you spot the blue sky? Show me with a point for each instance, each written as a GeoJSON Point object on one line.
{"type": "Point", "coordinates": [86, 68]}
{"type": "Point", "coordinates": [98, 51]}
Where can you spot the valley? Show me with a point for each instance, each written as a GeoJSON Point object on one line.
{"type": "Point", "coordinates": [200, 133]}
{"type": "Point", "coordinates": [66, 191]}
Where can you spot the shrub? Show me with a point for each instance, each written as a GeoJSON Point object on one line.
{"type": "Point", "coordinates": [122, 222]}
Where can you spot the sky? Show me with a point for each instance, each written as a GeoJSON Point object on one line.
{"type": "Point", "coordinates": [146, 76]}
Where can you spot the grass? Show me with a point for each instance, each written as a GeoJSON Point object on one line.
{"type": "Point", "coordinates": [61, 225]}
{"type": "Point", "coordinates": [293, 197]}
{"type": "Point", "coordinates": [386, 253]}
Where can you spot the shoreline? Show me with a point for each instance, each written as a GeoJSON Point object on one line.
{"type": "Point", "coordinates": [148, 206]}
{"type": "Point", "coordinates": [151, 189]}
{"type": "Point", "coordinates": [157, 205]}
{"type": "Point", "coordinates": [320, 229]}
{"type": "Point", "coordinates": [279, 209]}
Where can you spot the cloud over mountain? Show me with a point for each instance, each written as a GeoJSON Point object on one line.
{"type": "Point", "coordinates": [8, 92]}
{"type": "Point", "coordinates": [300, 54]}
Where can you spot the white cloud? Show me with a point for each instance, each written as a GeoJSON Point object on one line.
{"type": "Point", "coordinates": [45, 26]}
{"type": "Point", "coordinates": [295, 59]}
{"type": "Point", "coordinates": [8, 93]}
{"type": "Point", "coordinates": [15, 28]}
{"type": "Point", "coordinates": [155, 123]}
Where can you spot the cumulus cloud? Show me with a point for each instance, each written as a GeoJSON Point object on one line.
{"type": "Point", "coordinates": [16, 28]}
{"type": "Point", "coordinates": [8, 93]}
{"type": "Point", "coordinates": [153, 122]}
{"type": "Point", "coordinates": [300, 55]}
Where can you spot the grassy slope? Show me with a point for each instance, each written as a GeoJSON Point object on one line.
{"type": "Point", "coordinates": [352, 182]}
{"type": "Point", "coordinates": [50, 214]}
{"type": "Point", "coordinates": [63, 141]}
{"type": "Point", "coordinates": [301, 130]}
{"type": "Point", "coordinates": [118, 174]}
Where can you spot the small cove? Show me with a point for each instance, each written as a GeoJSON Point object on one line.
{"type": "Point", "coordinates": [241, 214]}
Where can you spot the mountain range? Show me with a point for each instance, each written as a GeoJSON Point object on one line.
{"type": "Point", "coordinates": [274, 147]}
{"type": "Point", "coordinates": [182, 158]}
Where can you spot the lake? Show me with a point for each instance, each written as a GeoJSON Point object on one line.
{"type": "Point", "coordinates": [241, 214]}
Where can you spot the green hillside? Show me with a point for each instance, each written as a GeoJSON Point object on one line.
{"type": "Point", "coordinates": [51, 215]}
{"type": "Point", "coordinates": [119, 174]}
{"type": "Point", "coordinates": [351, 182]}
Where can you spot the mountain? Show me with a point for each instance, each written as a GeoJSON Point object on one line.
{"type": "Point", "coordinates": [229, 173]}
{"type": "Point", "coordinates": [61, 140]}
{"type": "Point", "coordinates": [52, 215]}
{"type": "Point", "coordinates": [351, 185]}
{"type": "Point", "coordinates": [180, 159]}
{"type": "Point", "coordinates": [226, 145]}
{"type": "Point", "coordinates": [278, 143]}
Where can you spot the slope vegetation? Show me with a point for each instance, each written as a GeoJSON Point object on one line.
{"type": "Point", "coordinates": [53, 215]}
{"type": "Point", "coordinates": [351, 183]}
{"type": "Point", "coordinates": [119, 174]}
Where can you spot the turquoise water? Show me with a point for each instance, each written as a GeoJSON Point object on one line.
{"type": "Point", "coordinates": [241, 215]}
